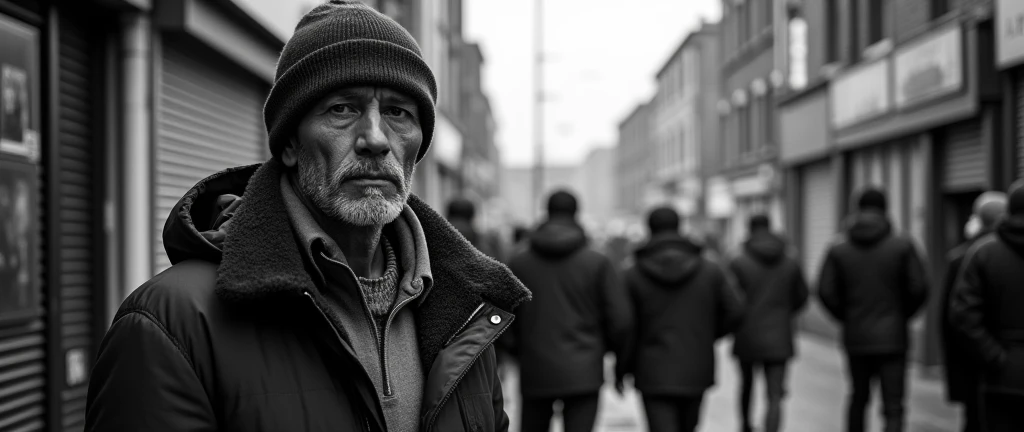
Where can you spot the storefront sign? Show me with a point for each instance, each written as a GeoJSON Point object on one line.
{"type": "Point", "coordinates": [719, 198]}
{"type": "Point", "coordinates": [1010, 33]}
{"type": "Point", "coordinates": [930, 67]}
{"type": "Point", "coordinates": [860, 94]}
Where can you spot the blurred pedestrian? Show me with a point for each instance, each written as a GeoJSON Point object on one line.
{"type": "Point", "coordinates": [461, 214]}
{"type": "Point", "coordinates": [683, 302]}
{"type": "Point", "coordinates": [331, 298]}
{"type": "Point", "coordinates": [986, 306]}
{"type": "Point", "coordinates": [578, 313]}
{"type": "Point", "coordinates": [961, 367]}
{"type": "Point", "coordinates": [776, 291]}
{"type": "Point", "coordinates": [873, 282]}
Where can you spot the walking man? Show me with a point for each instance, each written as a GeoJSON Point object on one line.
{"type": "Point", "coordinates": [873, 282]}
{"type": "Point", "coordinates": [776, 291]}
{"type": "Point", "coordinates": [986, 306]}
{"type": "Point", "coordinates": [579, 312]}
{"type": "Point", "coordinates": [683, 302]}
{"type": "Point", "coordinates": [961, 366]}
{"type": "Point", "coordinates": [312, 292]}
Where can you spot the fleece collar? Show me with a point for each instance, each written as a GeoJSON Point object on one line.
{"type": "Point", "coordinates": [262, 261]}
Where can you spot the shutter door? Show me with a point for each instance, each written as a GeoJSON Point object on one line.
{"type": "Point", "coordinates": [77, 252]}
{"type": "Point", "coordinates": [964, 164]}
{"type": "Point", "coordinates": [818, 217]}
{"type": "Point", "coordinates": [210, 118]}
{"type": "Point", "coordinates": [1018, 86]}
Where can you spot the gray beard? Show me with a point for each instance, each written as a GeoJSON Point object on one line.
{"type": "Point", "coordinates": [373, 208]}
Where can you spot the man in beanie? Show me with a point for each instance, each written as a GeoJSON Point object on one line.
{"type": "Point", "coordinates": [986, 306]}
{"type": "Point", "coordinates": [774, 286]}
{"type": "Point", "coordinates": [312, 292]}
{"type": "Point", "coordinates": [873, 282]}
{"type": "Point", "coordinates": [683, 302]}
{"type": "Point", "coordinates": [960, 365]}
{"type": "Point", "coordinates": [578, 313]}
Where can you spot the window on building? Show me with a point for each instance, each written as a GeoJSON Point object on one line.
{"type": "Point", "coordinates": [769, 118]}
{"type": "Point", "coordinates": [797, 51]}
{"type": "Point", "coordinates": [768, 14]}
{"type": "Point", "coordinates": [744, 129]}
{"type": "Point", "coordinates": [742, 24]}
{"type": "Point", "coordinates": [939, 8]}
{"type": "Point", "coordinates": [833, 49]}
{"type": "Point", "coordinates": [876, 20]}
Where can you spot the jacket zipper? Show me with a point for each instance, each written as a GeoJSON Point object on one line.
{"type": "Point", "coordinates": [323, 314]}
{"type": "Point", "coordinates": [384, 346]}
{"type": "Point", "coordinates": [463, 327]}
{"type": "Point", "coordinates": [448, 395]}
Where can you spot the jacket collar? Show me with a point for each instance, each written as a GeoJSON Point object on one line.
{"type": "Point", "coordinates": [262, 261]}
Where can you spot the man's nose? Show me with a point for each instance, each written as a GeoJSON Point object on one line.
{"type": "Point", "coordinates": [372, 141]}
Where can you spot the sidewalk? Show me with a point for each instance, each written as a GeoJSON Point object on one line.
{"type": "Point", "coordinates": [816, 402]}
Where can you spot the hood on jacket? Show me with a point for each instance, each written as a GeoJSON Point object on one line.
{"type": "Point", "coordinates": [1011, 231]}
{"type": "Point", "coordinates": [558, 237]}
{"type": "Point", "coordinates": [766, 247]}
{"type": "Point", "coordinates": [868, 228]}
{"type": "Point", "coordinates": [197, 226]}
{"type": "Point", "coordinates": [669, 258]}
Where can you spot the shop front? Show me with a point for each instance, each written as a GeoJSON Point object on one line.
{"type": "Point", "coordinates": [1010, 59]}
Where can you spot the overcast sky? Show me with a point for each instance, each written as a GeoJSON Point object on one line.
{"type": "Point", "coordinates": [601, 59]}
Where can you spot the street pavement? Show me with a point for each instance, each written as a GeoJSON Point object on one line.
{"type": "Point", "coordinates": [816, 400]}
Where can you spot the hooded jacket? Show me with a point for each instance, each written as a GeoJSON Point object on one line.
{"type": "Point", "coordinates": [775, 289]}
{"type": "Point", "coordinates": [578, 313]}
{"type": "Point", "coordinates": [235, 336]}
{"type": "Point", "coordinates": [987, 302]}
{"type": "Point", "coordinates": [683, 303]}
{"type": "Point", "coordinates": [873, 282]}
{"type": "Point", "coordinates": [960, 364]}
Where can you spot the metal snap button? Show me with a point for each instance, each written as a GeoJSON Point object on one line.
{"type": "Point", "coordinates": [495, 319]}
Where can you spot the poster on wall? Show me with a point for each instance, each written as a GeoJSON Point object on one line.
{"type": "Point", "coordinates": [19, 93]}
{"type": "Point", "coordinates": [19, 293]}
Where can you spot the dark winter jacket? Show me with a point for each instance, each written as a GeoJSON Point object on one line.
{"type": "Point", "coordinates": [236, 337]}
{"type": "Point", "coordinates": [873, 282]}
{"type": "Point", "coordinates": [960, 364]}
{"type": "Point", "coordinates": [578, 313]}
{"type": "Point", "coordinates": [774, 287]}
{"type": "Point", "coordinates": [683, 303]}
{"type": "Point", "coordinates": [987, 305]}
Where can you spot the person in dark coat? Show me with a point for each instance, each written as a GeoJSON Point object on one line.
{"type": "Point", "coordinates": [776, 291]}
{"type": "Point", "coordinates": [461, 213]}
{"type": "Point", "coordinates": [986, 306]}
{"type": "Point", "coordinates": [579, 312]}
{"type": "Point", "coordinates": [683, 303]}
{"type": "Point", "coordinates": [873, 282]}
{"type": "Point", "coordinates": [313, 292]}
{"type": "Point", "coordinates": [960, 365]}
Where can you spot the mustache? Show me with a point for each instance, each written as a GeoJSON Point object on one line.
{"type": "Point", "coordinates": [378, 169]}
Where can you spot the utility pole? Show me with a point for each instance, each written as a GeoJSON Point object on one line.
{"type": "Point", "coordinates": [538, 107]}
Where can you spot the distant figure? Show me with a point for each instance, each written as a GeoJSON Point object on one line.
{"type": "Point", "coordinates": [683, 302]}
{"type": "Point", "coordinates": [961, 365]}
{"type": "Point", "coordinates": [776, 290]}
{"type": "Point", "coordinates": [986, 306]}
{"type": "Point", "coordinates": [873, 282]}
{"type": "Point", "coordinates": [578, 313]}
{"type": "Point", "coordinates": [461, 213]}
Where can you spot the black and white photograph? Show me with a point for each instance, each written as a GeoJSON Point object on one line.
{"type": "Point", "coordinates": [512, 216]}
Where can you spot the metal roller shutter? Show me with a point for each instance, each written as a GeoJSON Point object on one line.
{"type": "Point", "coordinates": [76, 252]}
{"type": "Point", "coordinates": [210, 118]}
{"type": "Point", "coordinates": [964, 164]}
{"type": "Point", "coordinates": [819, 225]}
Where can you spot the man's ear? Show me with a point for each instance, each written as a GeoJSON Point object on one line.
{"type": "Point", "coordinates": [290, 153]}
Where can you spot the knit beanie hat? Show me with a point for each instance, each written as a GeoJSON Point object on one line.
{"type": "Point", "coordinates": [461, 208]}
{"type": "Point", "coordinates": [345, 43]}
{"type": "Point", "coordinates": [562, 203]}
{"type": "Point", "coordinates": [872, 199]}
{"type": "Point", "coordinates": [663, 219]}
{"type": "Point", "coordinates": [759, 222]}
{"type": "Point", "coordinates": [990, 208]}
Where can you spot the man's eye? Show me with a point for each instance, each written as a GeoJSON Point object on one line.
{"type": "Point", "coordinates": [342, 109]}
{"type": "Point", "coordinates": [395, 112]}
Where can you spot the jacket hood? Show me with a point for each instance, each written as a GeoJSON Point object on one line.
{"type": "Point", "coordinates": [260, 262]}
{"type": "Point", "coordinates": [669, 259]}
{"type": "Point", "coordinates": [1011, 231]}
{"type": "Point", "coordinates": [766, 248]}
{"type": "Point", "coordinates": [558, 237]}
{"type": "Point", "coordinates": [868, 228]}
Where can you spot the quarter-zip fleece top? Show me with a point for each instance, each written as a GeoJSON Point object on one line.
{"type": "Point", "coordinates": [388, 351]}
{"type": "Point", "coordinates": [239, 336]}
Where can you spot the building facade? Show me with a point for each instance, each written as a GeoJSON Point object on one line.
{"type": "Point", "coordinates": [748, 121]}
{"type": "Point", "coordinates": [634, 157]}
{"type": "Point", "coordinates": [480, 159]}
{"type": "Point", "coordinates": [911, 100]}
{"type": "Point", "coordinates": [1010, 60]}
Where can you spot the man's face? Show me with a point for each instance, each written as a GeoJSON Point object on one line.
{"type": "Point", "coordinates": [355, 152]}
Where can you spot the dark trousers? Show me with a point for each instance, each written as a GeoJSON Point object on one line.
{"type": "Point", "coordinates": [775, 389]}
{"type": "Point", "coordinates": [578, 413]}
{"type": "Point", "coordinates": [672, 413]}
{"type": "Point", "coordinates": [891, 371]}
{"type": "Point", "coordinates": [1002, 412]}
